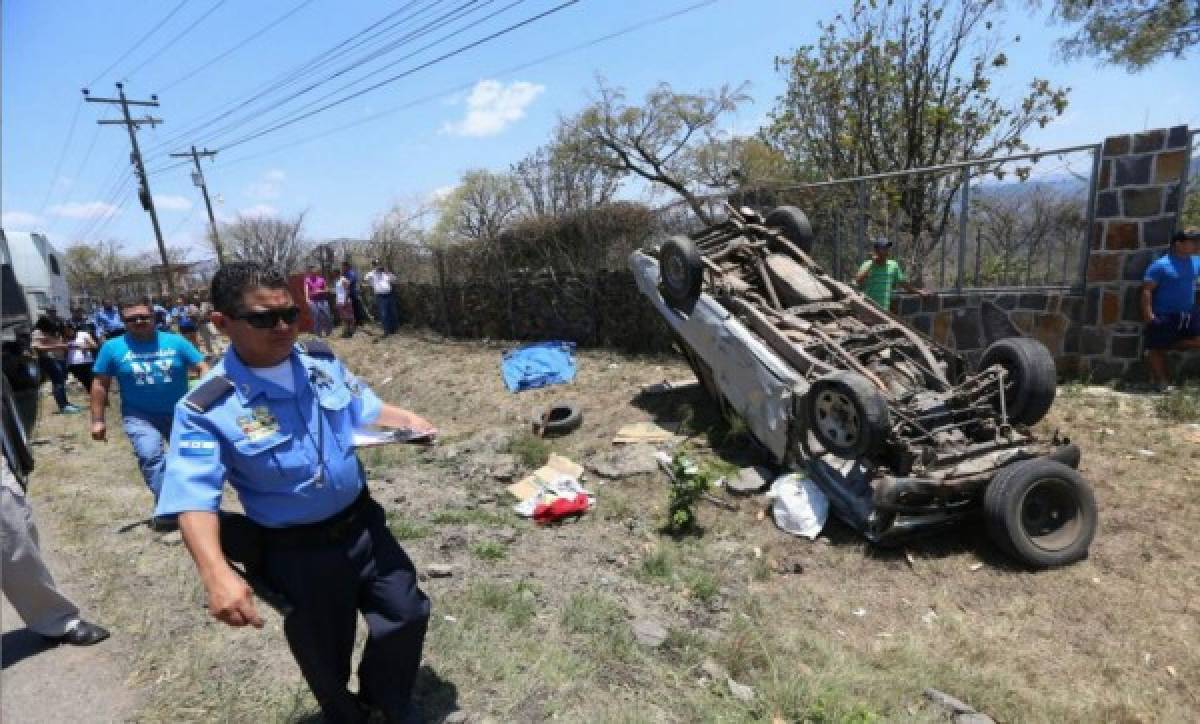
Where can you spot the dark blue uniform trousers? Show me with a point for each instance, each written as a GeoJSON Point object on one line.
{"type": "Point", "coordinates": [328, 577]}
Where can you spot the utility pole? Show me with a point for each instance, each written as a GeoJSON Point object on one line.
{"type": "Point", "coordinates": [135, 158]}
{"type": "Point", "coordinates": [198, 180]}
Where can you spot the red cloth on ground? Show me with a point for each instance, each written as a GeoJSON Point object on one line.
{"type": "Point", "coordinates": [560, 508]}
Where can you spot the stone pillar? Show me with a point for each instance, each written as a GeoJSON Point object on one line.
{"type": "Point", "coordinates": [1137, 201]}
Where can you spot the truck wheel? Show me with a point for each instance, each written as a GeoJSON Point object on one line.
{"type": "Point", "coordinates": [1031, 379]}
{"type": "Point", "coordinates": [1041, 512]}
{"type": "Point", "coordinates": [847, 414]}
{"type": "Point", "coordinates": [794, 224]}
{"type": "Point", "coordinates": [682, 272]}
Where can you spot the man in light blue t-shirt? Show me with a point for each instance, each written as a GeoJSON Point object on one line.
{"type": "Point", "coordinates": [1169, 304]}
{"type": "Point", "coordinates": [151, 368]}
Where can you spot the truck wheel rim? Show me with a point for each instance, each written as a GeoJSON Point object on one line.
{"type": "Point", "coordinates": [837, 418]}
{"type": "Point", "coordinates": [675, 272]}
{"type": "Point", "coordinates": [1051, 517]}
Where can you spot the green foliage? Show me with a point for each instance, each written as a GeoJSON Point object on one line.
{"type": "Point", "coordinates": [489, 550]}
{"type": "Point", "coordinates": [463, 516]}
{"type": "Point", "coordinates": [531, 450]}
{"type": "Point", "coordinates": [517, 603]}
{"type": "Point", "coordinates": [591, 613]}
{"type": "Point", "coordinates": [659, 565]}
{"type": "Point", "coordinates": [688, 484]}
{"type": "Point", "coordinates": [892, 86]}
{"type": "Point", "coordinates": [1182, 405]}
{"type": "Point", "coordinates": [1190, 214]}
{"type": "Point", "coordinates": [1129, 33]}
{"type": "Point", "coordinates": [407, 529]}
{"type": "Point", "coordinates": [702, 585]}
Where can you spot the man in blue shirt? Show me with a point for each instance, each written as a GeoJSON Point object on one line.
{"type": "Point", "coordinates": [276, 420]}
{"type": "Point", "coordinates": [151, 368]}
{"type": "Point", "coordinates": [108, 321]}
{"type": "Point", "coordinates": [1169, 304]}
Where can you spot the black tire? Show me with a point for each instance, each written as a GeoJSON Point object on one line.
{"type": "Point", "coordinates": [847, 414]}
{"type": "Point", "coordinates": [16, 439]}
{"type": "Point", "coordinates": [1041, 512]}
{"type": "Point", "coordinates": [1031, 375]}
{"type": "Point", "coordinates": [794, 224]}
{"type": "Point", "coordinates": [681, 271]}
{"type": "Point", "coordinates": [559, 418]}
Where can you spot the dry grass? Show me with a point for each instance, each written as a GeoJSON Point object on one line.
{"type": "Point", "coordinates": [536, 623]}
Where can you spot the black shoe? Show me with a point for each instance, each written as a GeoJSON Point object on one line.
{"type": "Point", "coordinates": [164, 525]}
{"type": "Point", "coordinates": [82, 634]}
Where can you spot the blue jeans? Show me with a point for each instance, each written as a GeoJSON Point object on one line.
{"type": "Point", "coordinates": [387, 312]}
{"type": "Point", "coordinates": [149, 433]}
{"type": "Point", "coordinates": [321, 316]}
{"type": "Point", "coordinates": [56, 370]}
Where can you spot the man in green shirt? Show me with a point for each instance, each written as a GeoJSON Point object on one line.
{"type": "Point", "coordinates": [879, 275]}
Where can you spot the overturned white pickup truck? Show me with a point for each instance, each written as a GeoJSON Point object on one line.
{"type": "Point", "coordinates": [891, 425]}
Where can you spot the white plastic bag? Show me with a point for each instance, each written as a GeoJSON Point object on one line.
{"type": "Point", "coordinates": [798, 505]}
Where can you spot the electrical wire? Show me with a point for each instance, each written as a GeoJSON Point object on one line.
{"type": "Point", "coordinates": [139, 42]}
{"type": "Point", "coordinates": [174, 40]}
{"type": "Point", "coordinates": [404, 74]}
{"type": "Point", "coordinates": [62, 154]}
{"type": "Point", "coordinates": [293, 75]}
{"type": "Point", "coordinates": [469, 84]}
{"type": "Point", "coordinates": [237, 46]}
{"type": "Point", "coordinates": [211, 138]}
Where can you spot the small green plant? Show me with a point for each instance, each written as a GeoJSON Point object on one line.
{"type": "Point", "coordinates": [591, 613]}
{"type": "Point", "coordinates": [463, 516]}
{"type": "Point", "coordinates": [407, 529]}
{"type": "Point", "coordinates": [489, 550]}
{"type": "Point", "coordinates": [689, 483]}
{"type": "Point", "coordinates": [702, 585]}
{"type": "Point", "coordinates": [659, 565]}
{"type": "Point", "coordinates": [518, 603]}
{"type": "Point", "coordinates": [531, 450]}
{"type": "Point", "coordinates": [1182, 405]}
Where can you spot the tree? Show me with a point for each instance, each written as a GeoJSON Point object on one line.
{"type": "Point", "coordinates": [1129, 33]}
{"type": "Point", "coordinates": [479, 208]}
{"type": "Point", "coordinates": [903, 85]}
{"type": "Point", "coordinates": [92, 268]}
{"type": "Point", "coordinates": [555, 180]}
{"type": "Point", "coordinates": [1028, 233]}
{"type": "Point", "coordinates": [277, 242]}
{"type": "Point", "coordinates": [655, 141]}
{"type": "Point", "coordinates": [399, 237]}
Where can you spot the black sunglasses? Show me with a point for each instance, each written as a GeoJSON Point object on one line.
{"type": "Point", "coordinates": [137, 318]}
{"type": "Point", "coordinates": [270, 318]}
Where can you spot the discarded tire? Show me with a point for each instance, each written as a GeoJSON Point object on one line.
{"type": "Point", "coordinates": [1041, 512]}
{"type": "Point", "coordinates": [794, 225]}
{"type": "Point", "coordinates": [558, 419]}
{"type": "Point", "coordinates": [1031, 379]}
{"type": "Point", "coordinates": [681, 271]}
{"type": "Point", "coordinates": [847, 414]}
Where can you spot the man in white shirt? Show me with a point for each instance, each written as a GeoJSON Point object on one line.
{"type": "Point", "coordinates": [381, 282]}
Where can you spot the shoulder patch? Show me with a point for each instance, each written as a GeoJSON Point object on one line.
{"type": "Point", "coordinates": [316, 348]}
{"type": "Point", "coordinates": [206, 395]}
{"type": "Point", "coordinates": [197, 445]}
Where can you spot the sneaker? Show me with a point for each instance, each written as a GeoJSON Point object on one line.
{"type": "Point", "coordinates": [70, 410]}
{"type": "Point", "coordinates": [1162, 388]}
{"type": "Point", "coordinates": [164, 525]}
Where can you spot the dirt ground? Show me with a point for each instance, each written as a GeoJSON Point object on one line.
{"type": "Point", "coordinates": [539, 623]}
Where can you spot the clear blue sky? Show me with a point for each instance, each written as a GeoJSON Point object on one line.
{"type": "Point", "coordinates": [467, 112]}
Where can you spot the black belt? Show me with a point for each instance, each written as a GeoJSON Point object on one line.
{"type": "Point", "coordinates": [350, 519]}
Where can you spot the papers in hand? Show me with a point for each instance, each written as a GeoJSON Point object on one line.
{"type": "Point", "coordinates": [372, 436]}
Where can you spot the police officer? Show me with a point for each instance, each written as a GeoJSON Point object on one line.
{"type": "Point", "coordinates": [275, 419]}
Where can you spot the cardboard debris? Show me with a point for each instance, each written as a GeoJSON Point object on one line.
{"type": "Point", "coordinates": [556, 466]}
{"type": "Point", "coordinates": [648, 432]}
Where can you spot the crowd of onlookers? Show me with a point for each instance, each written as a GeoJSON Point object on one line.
{"type": "Point", "coordinates": [337, 298]}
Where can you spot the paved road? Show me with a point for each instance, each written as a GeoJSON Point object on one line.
{"type": "Point", "coordinates": [64, 683]}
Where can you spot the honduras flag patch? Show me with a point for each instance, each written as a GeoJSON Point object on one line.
{"type": "Point", "coordinates": [197, 445]}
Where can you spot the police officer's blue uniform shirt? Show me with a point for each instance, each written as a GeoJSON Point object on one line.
{"type": "Point", "coordinates": [260, 438]}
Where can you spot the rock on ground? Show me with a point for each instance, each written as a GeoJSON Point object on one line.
{"type": "Point", "coordinates": [624, 461]}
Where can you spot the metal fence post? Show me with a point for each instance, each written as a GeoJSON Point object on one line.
{"type": "Point", "coordinates": [862, 222]}
{"type": "Point", "coordinates": [963, 210]}
{"type": "Point", "coordinates": [1081, 282]}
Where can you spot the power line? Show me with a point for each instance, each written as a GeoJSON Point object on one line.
{"type": "Point", "coordinates": [434, 25]}
{"type": "Point", "coordinates": [291, 76]}
{"type": "Point", "coordinates": [139, 42]}
{"type": "Point", "coordinates": [469, 84]}
{"type": "Point", "coordinates": [238, 46]}
{"type": "Point", "coordinates": [61, 156]}
{"type": "Point", "coordinates": [175, 39]}
{"type": "Point", "coordinates": [404, 74]}
{"type": "Point", "coordinates": [87, 155]}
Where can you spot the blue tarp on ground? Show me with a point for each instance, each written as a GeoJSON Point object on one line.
{"type": "Point", "coordinates": [537, 365]}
